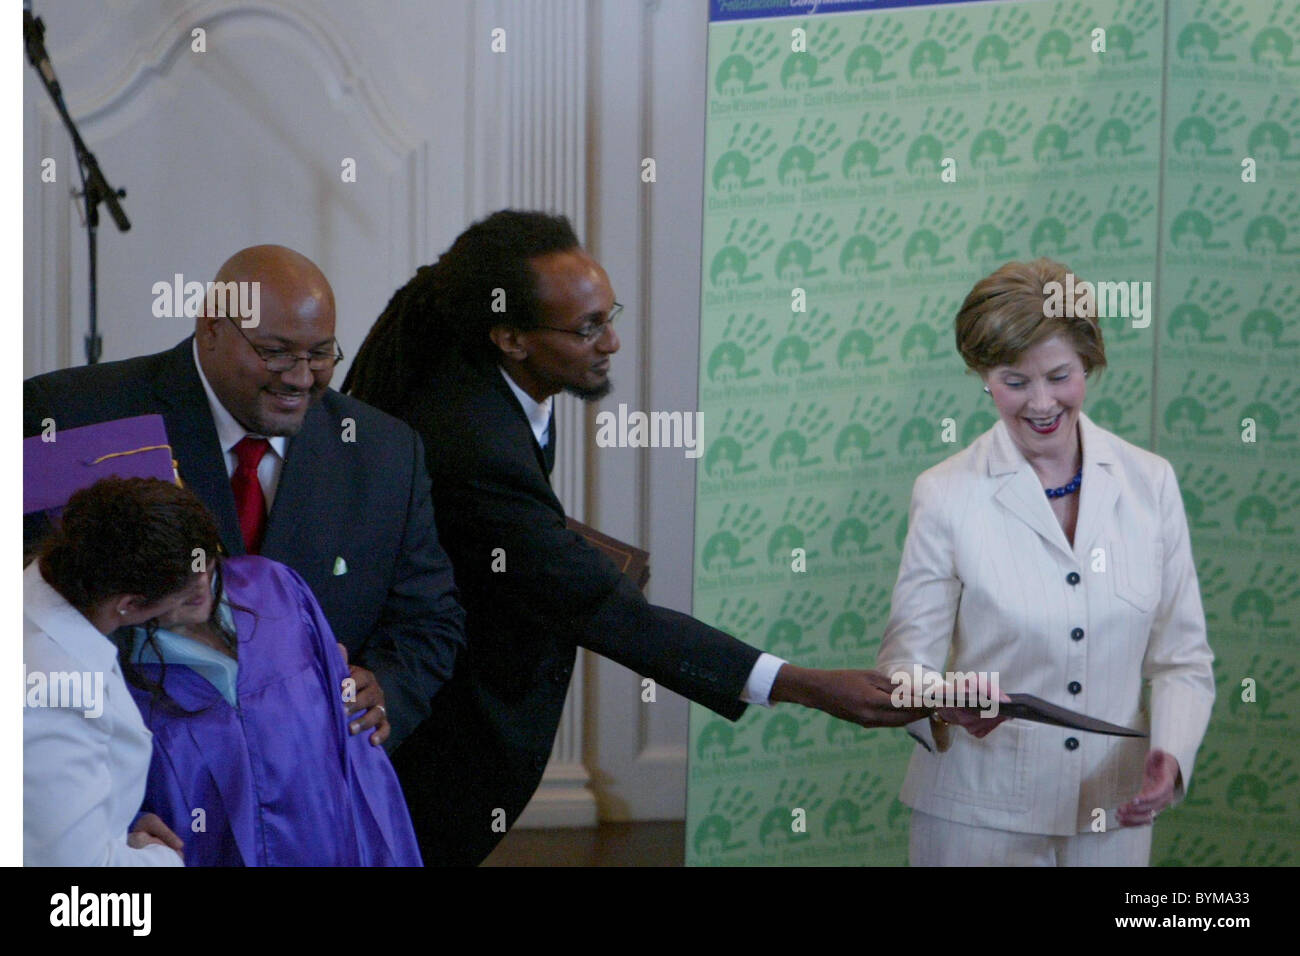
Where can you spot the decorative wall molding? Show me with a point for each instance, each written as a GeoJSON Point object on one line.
{"type": "Point", "coordinates": [121, 74]}
{"type": "Point", "coordinates": [649, 102]}
{"type": "Point", "coordinates": [338, 68]}
{"type": "Point", "coordinates": [529, 149]}
{"type": "Point", "coordinates": [47, 222]}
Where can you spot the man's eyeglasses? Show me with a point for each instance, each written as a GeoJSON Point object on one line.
{"type": "Point", "coordinates": [590, 334]}
{"type": "Point", "coordinates": [279, 360]}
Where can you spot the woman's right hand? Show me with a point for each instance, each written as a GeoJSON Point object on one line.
{"type": "Point", "coordinates": [971, 719]}
{"type": "Point", "coordinates": [149, 828]}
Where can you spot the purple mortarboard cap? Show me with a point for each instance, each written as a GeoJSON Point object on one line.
{"type": "Point", "coordinates": [78, 457]}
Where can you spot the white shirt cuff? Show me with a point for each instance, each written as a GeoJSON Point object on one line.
{"type": "Point", "coordinates": [758, 689]}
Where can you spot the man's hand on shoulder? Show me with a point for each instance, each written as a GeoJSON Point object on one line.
{"type": "Point", "coordinates": [366, 697]}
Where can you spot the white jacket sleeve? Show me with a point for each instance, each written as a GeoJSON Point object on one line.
{"type": "Point", "coordinates": [923, 611]}
{"type": "Point", "coordinates": [70, 791]}
{"type": "Point", "coordinates": [1178, 657]}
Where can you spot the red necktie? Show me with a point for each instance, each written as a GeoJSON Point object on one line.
{"type": "Point", "coordinates": [250, 503]}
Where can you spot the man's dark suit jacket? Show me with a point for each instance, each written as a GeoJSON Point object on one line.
{"type": "Point", "coordinates": [492, 728]}
{"type": "Point", "coordinates": [365, 501]}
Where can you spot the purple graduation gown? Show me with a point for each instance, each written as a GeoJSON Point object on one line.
{"type": "Point", "coordinates": [280, 780]}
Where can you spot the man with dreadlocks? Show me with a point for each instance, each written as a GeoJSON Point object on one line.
{"type": "Point", "coordinates": [470, 353]}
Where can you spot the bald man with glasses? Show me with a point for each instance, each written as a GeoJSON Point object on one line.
{"type": "Point", "coordinates": [296, 472]}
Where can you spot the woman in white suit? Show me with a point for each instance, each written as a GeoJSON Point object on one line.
{"type": "Point", "coordinates": [1055, 554]}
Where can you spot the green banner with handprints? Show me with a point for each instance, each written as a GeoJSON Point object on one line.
{"type": "Point", "coordinates": [863, 170]}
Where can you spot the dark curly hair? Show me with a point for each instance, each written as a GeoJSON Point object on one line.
{"type": "Point", "coordinates": [127, 536]}
{"type": "Point", "coordinates": [450, 305]}
{"type": "Point", "coordinates": [132, 536]}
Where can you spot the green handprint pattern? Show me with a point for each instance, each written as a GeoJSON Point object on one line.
{"type": "Point", "coordinates": [740, 72]}
{"type": "Point", "coordinates": [871, 61]}
{"type": "Point", "coordinates": [740, 432]}
{"type": "Point", "coordinates": [1274, 47]}
{"type": "Point", "coordinates": [1208, 38]}
{"type": "Point", "coordinates": [824, 173]}
{"type": "Point", "coordinates": [800, 69]}
{"type": "Point", "coordinates": [802, 522]}
{"type": "Point", "coordinates": [1001, 50]}
{"type": "Point", "coordinates": [934, 56]}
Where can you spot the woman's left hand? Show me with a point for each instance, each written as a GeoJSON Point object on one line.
{"type": "Point", "coordinates": [1158, 779]}
{"type": "Point", "coordinates": [150, 828]}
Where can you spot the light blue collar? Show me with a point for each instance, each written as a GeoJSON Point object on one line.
{"type": "Point", "coordinates": [213, 666]}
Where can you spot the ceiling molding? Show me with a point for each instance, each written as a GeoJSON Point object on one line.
{"type": "Point", "coordinates": [337, 67]}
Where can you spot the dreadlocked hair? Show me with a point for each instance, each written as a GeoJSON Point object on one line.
{"type": "Point", "coordinates": [482, 281]}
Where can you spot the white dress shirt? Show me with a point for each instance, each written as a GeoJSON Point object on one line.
{"type": "Point", "coordinates": [758, 688]}
{"type": "Point", "coordinates": [230, 433]}
{"type": "Point", "coordinates": [537, 413]}
{"type": "Point", "coordinates": [83, 776]}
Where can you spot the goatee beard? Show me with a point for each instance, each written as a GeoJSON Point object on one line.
{"type": "Point", "coordinates": [268, 429]}
{"type": "Point", "coordinates": [590, 394]}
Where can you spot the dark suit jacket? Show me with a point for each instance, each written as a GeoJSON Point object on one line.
{"type": "Point", "coordinates": [492, 728]}
{"type": "Point", "coordinates": [366, 501]}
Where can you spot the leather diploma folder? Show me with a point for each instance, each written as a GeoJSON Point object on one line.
{"type": "Point", "coordinates": [633, 562]}
{"type": "Point", "coordinates": [1029, 707]}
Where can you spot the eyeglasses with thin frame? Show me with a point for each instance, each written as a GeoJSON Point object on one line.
{"type": "Point", "coordinates": [279, 361]}
{"type": "Point", "coordinates": [590, 334]}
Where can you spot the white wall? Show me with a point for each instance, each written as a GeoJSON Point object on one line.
{"type": "Point", "coordinates": [238, 145]}
{"type": "Point", "coordinates": [649, 103]}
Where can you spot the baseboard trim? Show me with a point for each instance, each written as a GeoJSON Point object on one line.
{"type": "Point", "coordinates": [562, 800]}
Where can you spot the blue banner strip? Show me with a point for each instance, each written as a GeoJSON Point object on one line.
{"type": "Point", "coordinates": [720, 10]}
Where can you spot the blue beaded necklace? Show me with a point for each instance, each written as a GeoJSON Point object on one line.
{"type": "Point", "coordinates": [1069, 489]}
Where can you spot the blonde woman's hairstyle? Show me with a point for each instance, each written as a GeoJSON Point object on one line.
{"type": "Point", "coordinates": [1009, 312]}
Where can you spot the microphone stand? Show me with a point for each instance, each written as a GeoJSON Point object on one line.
{"type": "Point", "coordinates": [94, 187]}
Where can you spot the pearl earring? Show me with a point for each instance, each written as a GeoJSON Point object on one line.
{"type": "Point", "coordinates": [986, 390]}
